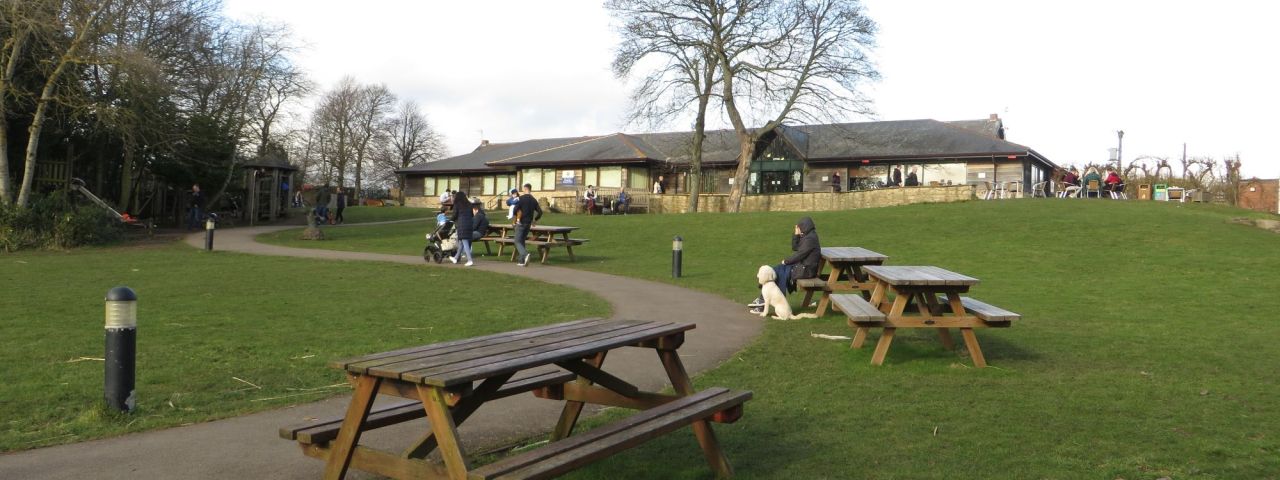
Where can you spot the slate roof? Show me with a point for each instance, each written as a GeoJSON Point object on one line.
{"type": "Point", "coordinates": [828, 142]}
{"type": "Point", "coordinates": [992, 127]}
{"type": "Point", "coordinates": [268, 161]}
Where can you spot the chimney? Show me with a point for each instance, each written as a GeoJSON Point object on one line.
{"type": "Point", "coordinates": [995, 116]}
{"type": "Point", "coordinates": [484, 143]}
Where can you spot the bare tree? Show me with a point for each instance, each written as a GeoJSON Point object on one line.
{"type": "Point", "coordinates": [797, 58]}
{"type": "Point", "coordinates": [374, 103]}
{"type": "Point", "coordinates": [68, 32]}
{"type": "Point", "coordinates": [19, 26]}
{"type": "Point", "coordinates": [681, 41]}
{"type": "Point", "coordinates": [411, 140]}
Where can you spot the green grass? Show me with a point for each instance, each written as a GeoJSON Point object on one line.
{"type": "Point", "coordinates": [366, 214]}
{"type": "Point", "coordinates": [206, 319]}
{"type": "Point", "coordinates": [1147, 348]}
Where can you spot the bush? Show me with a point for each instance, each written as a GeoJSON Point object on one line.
{"type": "Point", "coordinates": [55, 222]}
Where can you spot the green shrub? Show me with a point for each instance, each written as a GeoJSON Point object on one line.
{"type": "Point", "coordinates": [54, 222]}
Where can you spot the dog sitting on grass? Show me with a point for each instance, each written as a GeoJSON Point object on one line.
{"type": "Point", "coordinates": [774, 298]}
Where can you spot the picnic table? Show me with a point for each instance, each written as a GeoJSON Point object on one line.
{"type": "Point", "coordinates": [846, 274]}
{"type": "Point", "coordinates": [447, 382]}
{"type": "Point", "coordinates": [935, 293]}
{"type": "Point", "coordinates": [543, 237]}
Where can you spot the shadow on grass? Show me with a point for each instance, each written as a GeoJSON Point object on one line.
{"type": "Point", "coordinates": [911, 345]}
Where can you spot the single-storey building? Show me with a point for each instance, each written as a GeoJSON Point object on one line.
{"type": "Point", "coordinates": [1262, 195]}
{"type": "Point", "coordinates": [801, 158]}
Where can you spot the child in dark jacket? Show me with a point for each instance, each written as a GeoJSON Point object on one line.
{"type": "Point", "coordinates": [801, 264]}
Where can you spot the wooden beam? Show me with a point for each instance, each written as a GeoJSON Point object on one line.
{"type": "Point", "coordinates": [601, 377]}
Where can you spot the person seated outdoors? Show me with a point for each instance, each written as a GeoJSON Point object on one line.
{"type": "Point", "coordinates": [480, 220]}
{"type": "Point", "coordinates": [1071, 183]}
{"type": "Point", "coordinates": [441, 217]}
{"type": "Point", "coordinates": [621, 202]}
{"type": "Point", "coordinates": [1091, 175]}
{"type": "Point", "coordinates": [800, 265]}
{"type": "Point", "coordinates": [912, 179]}
{"type": "Point", "coordinates": [589, 199]}
{"type": "Point", "coordinates": [1113, 185]}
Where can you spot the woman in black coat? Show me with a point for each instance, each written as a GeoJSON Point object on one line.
{"type": "Point", "coordinates": [801, 264]}
{"type": "Point", "coordinates": [462, 223]}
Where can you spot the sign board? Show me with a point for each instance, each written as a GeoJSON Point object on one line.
{"type": "Point", "coordinates": [567, 177]}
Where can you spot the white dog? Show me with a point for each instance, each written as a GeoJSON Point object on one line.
{"type": "Point", "coordinates": [773, 297]}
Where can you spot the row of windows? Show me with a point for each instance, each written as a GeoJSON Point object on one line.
{"type": "Point", "coordinates": [541, 179]}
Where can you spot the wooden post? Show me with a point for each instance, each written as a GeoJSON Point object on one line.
{"type": "Point", "coordinates": [275, 194]}
{"type": "Point", "coordinates": [701, 428]}
{"type": "Point", "coordinates": [349, 435]}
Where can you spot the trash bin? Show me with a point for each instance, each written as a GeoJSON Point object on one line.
{"type": "Point", "coordinates": [1144, 191]}
{"type": "Point", "coordinates": [1161, 193]}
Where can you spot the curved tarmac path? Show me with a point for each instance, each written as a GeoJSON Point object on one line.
{"type": "Point", "coordinates": [248, 446]}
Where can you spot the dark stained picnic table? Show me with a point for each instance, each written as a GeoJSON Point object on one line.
{"type": "Point", "coordinates": [443, 376]}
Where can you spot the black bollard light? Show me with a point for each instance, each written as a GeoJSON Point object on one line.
{"type": "Point", "coordinates": [210, 224]}
{"type": "Point", "coordinates": [122, 337]}
{"type": "Point", "coordinates": [677, 254]}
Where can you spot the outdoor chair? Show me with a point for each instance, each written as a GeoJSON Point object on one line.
{"type": "Point", "coordinates": [1117, 192]}
{"type": "Point", "coordinates": [1092, 188]}
{"type": "Point", "coordinates": [1038, 190]}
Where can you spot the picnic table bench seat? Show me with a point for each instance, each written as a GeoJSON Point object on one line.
{"type": "Point", "coordinates": [543, 246]}
{"type": "Point", "coordinates": [322, 431]}
{"type": "Point", "coordinates": [993, 315]}
{"type": "Point", "coordinates": [858, 309]}
{"type": "Point", "coordinates": [560, 457]}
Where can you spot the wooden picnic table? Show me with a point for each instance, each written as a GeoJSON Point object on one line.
{"type": "Point", "coordinates": [447, 382]}
{"type": "Point", "coordinates": [935, 292]}
{"type": "Point", "coordinates": [543, 237]}
{"type": "Point", "coordinates": [846, 273]}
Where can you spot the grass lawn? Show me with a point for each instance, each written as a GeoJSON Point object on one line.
{"type": "Point", "coordinates": [1147, 348]}
{"type": "Point", "coordinates": [221, 334]}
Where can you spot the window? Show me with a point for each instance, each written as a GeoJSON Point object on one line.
{"type": "Point", "coordinates": [638, 177]}
{"type": "Point", "coordinates": [548, 179]}
{"type": "Point", "coordinates": [533, 177]}
{"type": "Point", "coordinates": [610, 177]}
{"type": "Point", "coordinates": [591, 176]}
{"type": "Point", "coordinates": [429, 186]}
{"type": "Point", "coordinates": [490, 183]}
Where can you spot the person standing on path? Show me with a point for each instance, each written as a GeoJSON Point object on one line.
{"type": "Point", "coordinates": [341, 205]}
{"type": "Point", "coordinates": [528, 212]}
{"type": "Point", "coordinates": [322, 205]}
{"type": "Point", "coordinates": [463, 225]}
{"type": "Point", "coordinates": [196, 215]}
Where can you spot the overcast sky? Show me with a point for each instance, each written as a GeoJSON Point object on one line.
{"type": "Point", "coordinates": [1063, 75]}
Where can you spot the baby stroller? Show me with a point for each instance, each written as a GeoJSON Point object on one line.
{"type": "Point", "coordinates": [443, 241]}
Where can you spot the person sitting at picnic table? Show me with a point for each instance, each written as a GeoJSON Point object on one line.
{"type": "Point", "coordinates": [1113, 183]}
{"type": "Point", "coordinates": [481, 221]}
{"type": "Point", "coordinates": [590, 199]}
{"type": "Point", "coordinates": [462, 223]}
{"type": "Point", "coordinates": [1091, 175]}
{"type": "Point", "coordinates": [800, 265]}
{"type": "Point", "coordinates": [621, 202]}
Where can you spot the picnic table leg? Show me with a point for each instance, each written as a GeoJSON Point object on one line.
{"type": "Point", "coordinates": [446, 432]}
{"type": "Point", "coordinates": [975, 350]}
{"type": "Point", "coordinates": [460, 413]}
{"type": "Point", "coordinates": [935, 309]}
{"type": "Point", "coordinates": [859, 336]}
{"type": "Point", "coordinates": [572, 408]}
{"type": "Point", "coordinates": [349, 435]}
{"type": "Point", "coordinates": [882, 347]}
{"type": "Point", "coordinates": [701, 428]}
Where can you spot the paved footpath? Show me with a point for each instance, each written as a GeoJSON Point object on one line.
{"type": "Point", "coordinates": [249, 447]}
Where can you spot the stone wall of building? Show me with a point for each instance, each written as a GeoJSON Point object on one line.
{"type": "Point", "coordinates": [817, 201]}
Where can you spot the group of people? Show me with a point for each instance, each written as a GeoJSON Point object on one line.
{"type": "Point", "coordinates": [1111, 183]}
{"type": "Point", "coordinates": [895, 178]}
{"type": "Point", "coordinates": [326, 201]}
{"type": "Point", "coordinates": [472, 223]}
{"type": "Point", "coordinates": [619, 205]}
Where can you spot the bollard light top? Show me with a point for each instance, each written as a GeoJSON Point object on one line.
{"type": "Point", "coordinates": [121, 294]}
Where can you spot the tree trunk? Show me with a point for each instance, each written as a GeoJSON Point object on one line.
{"type": "Point", "coordinates": [695, 161]}
{"type": "Point", "coordinates": [400, 184]}
{"type": "Point", "coordinates": [126, 173]}
{"type": "Point", "coordinates": [6, 79]}
{"type": "Point", "coordinates": [747, 149]}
